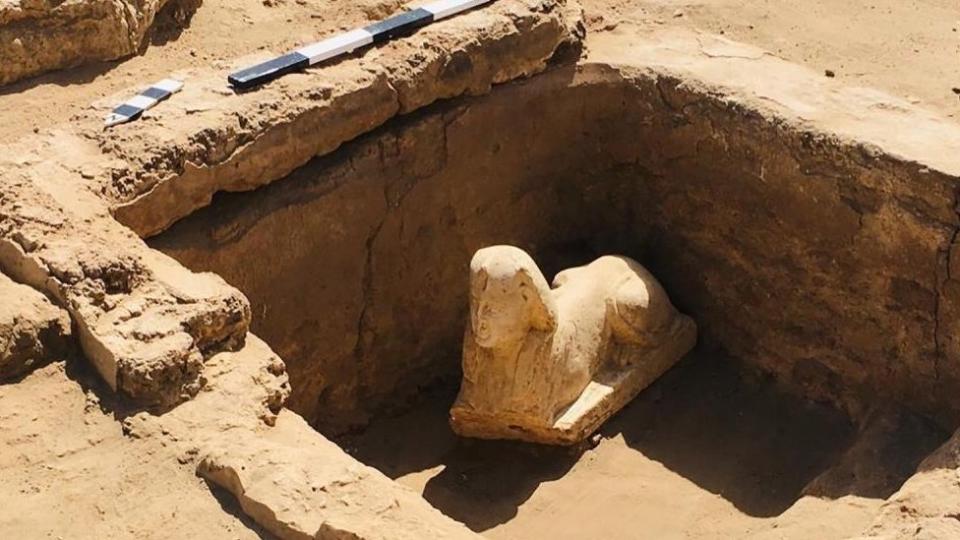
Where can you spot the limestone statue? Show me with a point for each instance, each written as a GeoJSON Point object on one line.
{"type": "Point", "coordinates": [550, 365]}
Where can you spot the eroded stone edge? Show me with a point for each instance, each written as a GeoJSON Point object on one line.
{"type": "Point", "coordinates": [145, 322]}
{"type": "Point", "coordinates": [33, 332]}
{"type": "Point", "coordinates": [162, 173]}
{"type": "Point", "coordinates": [286, 476]}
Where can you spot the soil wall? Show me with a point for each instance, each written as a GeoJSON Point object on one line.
{"type": "Point", "coordinates": [816, 260]}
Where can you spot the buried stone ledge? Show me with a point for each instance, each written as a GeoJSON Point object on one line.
{"type": "Point", "coordinates": [286, 477]}
{"type": "Point", "coordinates": [210, 139]}
{"type": "Point", "coordinates": [298, 485]}
{"type": "Point", "coordinates": [142, 320]}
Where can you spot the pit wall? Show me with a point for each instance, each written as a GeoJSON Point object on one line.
{"type": "Point", "coordinates": [819, 260]}
{"type": "Point", "coordinates": [357, 263]}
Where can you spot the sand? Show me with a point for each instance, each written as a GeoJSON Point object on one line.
{"type": "Point", "coordinates": [908, 48]}
{"type": "Point", "coordinates": [69, 472]}
{"type": "Point", "coordinates": [702, 454]}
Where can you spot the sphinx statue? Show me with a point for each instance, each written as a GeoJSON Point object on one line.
{"type": "Point", "coordinates": [551, 364]}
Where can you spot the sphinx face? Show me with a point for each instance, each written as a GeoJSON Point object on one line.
{"type": "Point", "coordinates": [500, 314]}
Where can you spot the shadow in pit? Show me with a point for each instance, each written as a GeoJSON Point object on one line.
{"type": "Point", "coordinates": [740, 438]}
{"type": "Point", "coordinates": [478, 483]}
{"type": "Point", "coordinates": [483, 483]}
{"type": "Point", "coordinates": [762, 449]}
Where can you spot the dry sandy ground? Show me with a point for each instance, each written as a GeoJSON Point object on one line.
{"type": "Point", "coordinates": [702, 454]}
{"type": "Point", "coordinates": [220, 30]}
{"type": "Point", "coordinates": [908, 47]}
{"type": "Point", "coordinates": [67, 471]}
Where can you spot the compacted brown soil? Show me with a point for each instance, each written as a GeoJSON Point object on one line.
{"type": "Point", "coordinates": [68, 471]}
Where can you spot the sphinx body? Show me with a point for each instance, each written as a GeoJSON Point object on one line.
{"type": "Point", "coordinates": [550, 364]}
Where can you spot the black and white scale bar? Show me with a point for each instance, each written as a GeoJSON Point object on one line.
{"type": "Point", "coordinates": [134, 107]}
{"type": "Point", "coordinates": [378, 32]}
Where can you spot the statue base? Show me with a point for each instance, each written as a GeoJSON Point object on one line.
{"type": "Point", "coordinates": [609, 392]}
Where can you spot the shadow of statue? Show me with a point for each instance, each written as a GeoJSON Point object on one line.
{"type": "Point", "coordinates": [480, 483]}
{"type": "Point", "coordinates": [761, 448]}
{"type": "Point", "coordinates": [483, 483]}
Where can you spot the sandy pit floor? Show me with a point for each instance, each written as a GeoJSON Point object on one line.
{"type": "Point", "coordinates": [702, 454]}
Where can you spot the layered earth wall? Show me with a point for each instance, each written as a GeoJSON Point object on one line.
{"type": "Point", "coordinates": [819, 257]}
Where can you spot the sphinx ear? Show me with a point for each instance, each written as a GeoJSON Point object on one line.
{"type": "Point", "coordinates": [478, 282]}
{"type": "Point", "coordinates": [478, 285]}
{"type": "Point", "coordinates": [537, 295]}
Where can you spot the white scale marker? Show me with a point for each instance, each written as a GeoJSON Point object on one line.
{"type": "Point", "coordinates": [134, 107]}
{"type": "Point", "coordinates": [375, 33]}
{"type": "Point", "coordinates": [304, 57]}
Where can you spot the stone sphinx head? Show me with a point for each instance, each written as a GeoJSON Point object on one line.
{"type": "Point", "coordinates": [509, 297]}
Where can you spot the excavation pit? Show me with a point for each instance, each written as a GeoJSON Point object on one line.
{"type": "Point", "coordinates": [806, 221]}
{"type": "Point", "coordinates": [816, 264]}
